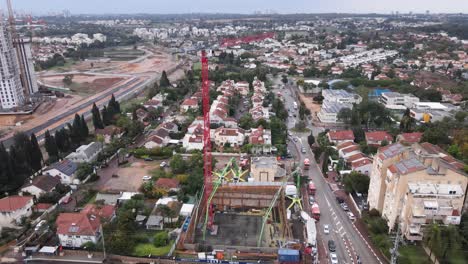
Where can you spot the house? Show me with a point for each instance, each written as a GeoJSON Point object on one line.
{"type": "Point", "coordinates": [338, 137]}
{"type": "Point", "coordinates": [168, 184]}
{"type": "Point", "coordinates": [409, 138]}
{"type": "Point", "coordinates": [154, 142]}
{"type": "Point", "coordinates": [158, 215]}
{"type": "Point", "coordinates": [108, 198]}
{"type": "Point", "coordinates": [193, 141]}
{"type": "Point", "coordinates": [64, 169]}
{"type": "Point", "coordinates": [170, 127]}
{"type": "Point", "coordinates": [14, 208]}
{"type": "Point", "coordinates": [266, 169]}
{"type": "Point", "coordinates": [346, 152]}
{"type": "Point", "coordinates": [86, 153]}
{"type": "Point", "coordinates": [377, 137]}
{"type": "Point", "coordinates": [153, 103]}
{"type": "Point", "coordinates": [40, 185]}
{"type": "Point", "coordinates": [109, 132]}
{"type": "Point", "coordinates": [189, 103]}
{"type": "Point", "coordinates": [363, 166]}
{"type": "Point", "coordinates": [42, 207]}
{"type": "Point", "coordinates": [260, 139]}
{"type": "Point", "coordinates": [232, 136]}
{"type": "Point", "coordinates": [104, 212]}
{"type": "Point", "coordinates": [142, 115]}
{"type": "Point", "coordinates": [75, 229]}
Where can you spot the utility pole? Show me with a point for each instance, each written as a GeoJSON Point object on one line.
{"type": "Point", "coordinates": [103, 243]}
{"type": "Point", "coordinates": [394, 250]}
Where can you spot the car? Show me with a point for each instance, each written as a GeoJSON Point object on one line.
{"type": "Point", "coordinates": [148, 159]}
{"type": "Point", "coordinates": [344, 206]}
{"type": "Point", "coordinates": [351, 216]}
{"type": "Point", "coordinates": [333, 258]}
{"type": "Point", "coordinates": [67, 200]}
{"type": "Point", "coordinates": [163, 164]}
{"type": "Point", "coordinates": [289, 133]}
{"type": "Point", "coordinates": [326, 229]}
{"type": "Point", "coordinates": [311, 200]}
{"type": "Point", "coordinates": [331, 245]}
{"type": "Point", "coordinates": [146, 178]}
{"type": "Point", "coordinates": [295, 115]}
{"type": "Point", "coordinates": [295, 139]}
{"type": "Point", "coordinates": [303, 150]}
{"type": "Point", "coordinates": [290, 115]}
{"type": "Point", "coordinates": [39, 225]}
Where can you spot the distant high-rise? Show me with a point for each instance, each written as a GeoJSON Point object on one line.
{"type": "Point", "coordinates": [28, 62]}
{"type": "Point", "coordinates": [11, 91]}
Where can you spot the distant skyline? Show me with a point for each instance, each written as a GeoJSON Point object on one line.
{"type": "Point", "coordinates": [237, 6]}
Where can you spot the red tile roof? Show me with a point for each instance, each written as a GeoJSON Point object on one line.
{"type": "Point", "coordinates": [167, 183]}
{"type": "Point", "coordinates": [350, 149]}
{"type": "Point", "coordinates": [346, 144]}
{"type": "Point", "coordinates": [356, 157]}
{"type": "Point", "coordinates": [77, 224]}
{"type": "Point", "coordinates": [341, 135]}
{"type": "Point", "coordinates": [13, 203]}
{"type": "Point", "coordinates": [190, 102]}
{"type": "Point", "coordinates": [105, 211]}
{"type": "Point", "coordinates": [411, 137]}
{"type": "Point", "coordinates": [361, 163]}
{"type": "Point", "coordinates": [43, 206]}
{"type": "Point", "coordinates": [379, 136]}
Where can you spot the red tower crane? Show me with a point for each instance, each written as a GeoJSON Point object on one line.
{"type": "Point", "coordinates": [207, 160]}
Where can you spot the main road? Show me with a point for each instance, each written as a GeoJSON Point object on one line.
{"type": "Point", "coordinates": [349, 243]}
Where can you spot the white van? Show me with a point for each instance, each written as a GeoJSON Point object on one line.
{"type": "Point", "coordinates": [39, 225]}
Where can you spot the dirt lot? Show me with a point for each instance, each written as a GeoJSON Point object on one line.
{"type": "Point", "coordinates": [129, 176]}
{"type": "Point", "coordinates": [310, 104]}
{"type": "Point", "coordinates": [84, 83]}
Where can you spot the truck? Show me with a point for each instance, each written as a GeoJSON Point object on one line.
{"type": "Point", "coordinates": [315, 210]}
{"type": "Point", "coordinates": [306, 164]}
{"type": "Point", "coordinates": [311, 188]}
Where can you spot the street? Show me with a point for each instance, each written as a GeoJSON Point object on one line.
{"type": "Point", "coordinates": [349, 243]}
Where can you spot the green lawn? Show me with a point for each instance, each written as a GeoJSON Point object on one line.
{"type": "Point", "coordinates": [145, 249]}
{"type": "Point", "coordinates": [413, 255]}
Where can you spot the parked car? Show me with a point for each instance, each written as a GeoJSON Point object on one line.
{"type": "Point", "coordinates": [326, 229]}
{"type": "Point", "coordinates": [344, 206]}
{"type": "Point", "coordinates": [148, 159]}
{"type": "Point", "coordinates": [331, 245]}
{"type": "Point", "coordinates": [303, 150]}
{"type": "Point", "coordinates": [146, 178]}
{"type": "Point", "coordinates": [333, 258]}
{"type": "Point", "coordinates": [351, 216]}
{"type": "Point", "coordinates": [163, 164]}
{"type": "Point", "coordinates": [311, 200]}
{"type": "Point", "coordinates": [40, 225]}
{"type": "Point", "coordinates": [115, 176]}
{"type": "Point", "coordinates": [295, 139]}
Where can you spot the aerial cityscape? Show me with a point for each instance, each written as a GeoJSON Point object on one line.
{"type": "Point", "coordinates": [234, 132]}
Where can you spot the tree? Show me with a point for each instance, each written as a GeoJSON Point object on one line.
{"type": "Point", "coordinates": [178, 164]}
{"type": "Point", "coordinates": [246, 121]}
{"type": "Point", "coordinates": [75, 130]}
{"type": "Point", "coordinates": [84, 130]}
{"type": "Point", "coordinates": [106, 116]}
{"type": "Point", "coordinates": [407, 122]}
{"type": "Point", "coordinates": [161, 239]}
{"type": "Point", "coordinates": [97, 121]}
{"type": "Point", "coordinates": [68, 79]}
{"type": "Point", "coordinates": [357, 182]}
{"type": "Point", "coordinates": [51, 147]}
{"type": "Point", "coordinates": [113, 107]}
{"type": "Point", "coordinates": [345, 115]}
{"type": "Point", "coordinates": [6, 168]}
{"type": "Point", "coordinates": [311, 139]}
{"type": "Point", "coordinates": [36, 154]}
{"type": "Point", "coordinates": [164, 81]}
{"type": "Point", "coordinates": [460, 116]}
{"type": "Point", "coordinates": [62, 140]}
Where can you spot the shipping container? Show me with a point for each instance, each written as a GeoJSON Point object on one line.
{"type": "Point", "coordinates": [288, 255]}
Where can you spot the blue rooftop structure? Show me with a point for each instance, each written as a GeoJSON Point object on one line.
{"type": "Point", "coordinates": [377, 92]}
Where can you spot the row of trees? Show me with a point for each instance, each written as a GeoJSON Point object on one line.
{"type": "Point", "coordinates": [107, 115]}
{"type": "Point", "coordinates": [22, 160]}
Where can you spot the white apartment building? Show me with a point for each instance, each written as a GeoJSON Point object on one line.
{"type": "Point", "coordinates": [398, 101]}
{"type": "Point", "coordinates": [11, 90]}
{"type": "Point", "coordinates": [334, 101]}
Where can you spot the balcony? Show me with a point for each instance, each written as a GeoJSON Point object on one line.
{"type": "Point", "coordinates": [413, 237]}
{"type": "Point", "coordinates": [418, 220]}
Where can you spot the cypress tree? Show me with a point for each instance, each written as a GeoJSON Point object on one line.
{"type": "Point", "coordinates": [105, 113]}
{"type": "Point", "coordinates": [97, 121]}
{"type": "Point", "coordinates": [84, 128]}
{"type": "Point", "coordinates": [36, 154]}
{"type": "Point", "coordinates": [51, 147]}
{"type": "Point", "coordinates": [20, 167]}
{"type": "Point", "coordinates": [6, 169]}
{"type": "Point", "coordinates": [75, 130]}
{"type": "Point", "coordinates": [164, 81]}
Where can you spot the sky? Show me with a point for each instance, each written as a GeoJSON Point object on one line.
{"type": "Point", "coordinates": [237, 6]}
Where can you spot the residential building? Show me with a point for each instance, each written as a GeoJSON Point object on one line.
{"type": "Point", "coordinates": [75, 229]}
{"type": "Point", "coordinates": [235, 137]}
{"type": "Point", "coordinates": [41, 185]}
{"type": "Point", "coordinates": [158, 218]}
{"type": "Point", "coordinates": [341, 136]}
{"type": "Point", "coordinates": [27, 61]}
{"type": "Point", "coordinates": [109, 133]}
{"type": "Point", "coordinates": [193, 142]}
{"type": "Point", "coordinates": [376, 138]}
{"type": "Point", "coordinates": [14, 208]}
{"type": "Point", "coordinates": [417, 185]}
{"type": "Point", "coordinates": [265, 169]}
{"type": "Point", "coordinates": [334, 101]}
{"type": "Point", "coordinates": [409, 138]}
{"type": "Point", "coordinates": [86, 153]}
{"type": "Point", "coordinates": [168, 184]}
{"type": "Point", "coordinates": [260, 139]}
{"type": "Point", "coordinates": [189, 103]}
{"type": "Point", "coordinates": [398, 101]}
{"type": "Point", "coordinates": [64, 169]}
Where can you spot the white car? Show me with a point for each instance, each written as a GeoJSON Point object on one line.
{"type": "Point", "coordinates": [326, 229]}
{"type": "Point", "coordinates": [311, 200]}
{"type": "Point", "coordinates": [146, 178]}
{"type": "Point", "coordinates": [351, 216]}
{"type": "Point", "coordinates": [163, 164]}
{"type": "Point", "coordinates": [333, 258]}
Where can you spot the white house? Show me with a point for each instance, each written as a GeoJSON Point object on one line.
{"type": "Point", "coordinates": [14, 208]}
{"type": "Point", "coordinates": [189, 103]}
{"type": "Point", "coordinates": [75, 229]}
{"type": "Point", "coordinates": [40, 185]}
{"type": "Point", "coordinates": [64, 169]}
{"type": "Point", "coordinates": [193, 142]}
{"type": "Point", "coordinates": [86, 153]}
{"type": "Point", "coordinates": [233, 136]}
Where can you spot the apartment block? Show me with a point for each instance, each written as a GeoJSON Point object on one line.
{"type": "Point", "coordinates": [415, 186]}
{"type": "Point", "coordinates": [398, 101]}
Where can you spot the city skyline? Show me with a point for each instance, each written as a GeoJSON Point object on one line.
{"type": "Point", "coordinates": [241, 6]}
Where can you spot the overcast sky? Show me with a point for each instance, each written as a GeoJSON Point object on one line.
{"type": "Point", "coordinates": [238, 6]}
